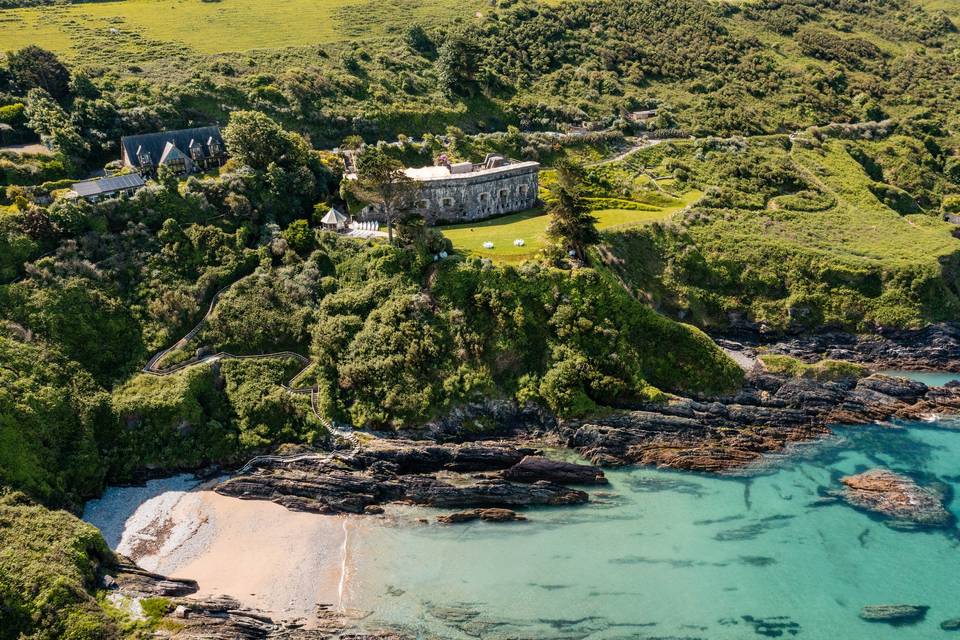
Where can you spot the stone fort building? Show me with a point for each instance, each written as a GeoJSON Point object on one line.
{"type": "Point", "coordinates": [465, 191]}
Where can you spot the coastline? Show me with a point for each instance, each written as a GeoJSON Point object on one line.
{"type": "Point", "coordinates": [284, 564]}
{"type": "Point", "coordinates": [269, 548]}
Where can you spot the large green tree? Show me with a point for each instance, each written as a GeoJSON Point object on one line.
{"type": "Point", "coordinates": [382, 182]}
{"type": "Point", "coordinates": [571, 223]}
{"type": "Point", "coordinates": [256, 140]}
{"type": "Point", "coordinates": [36, 68]}
{"type": "Point", "coordinates": [456, 64]}
{"type": "Point", "coordinates": [54, 126]}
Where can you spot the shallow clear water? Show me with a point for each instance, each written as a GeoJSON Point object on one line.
{"type": "Point", "coordinates": [929, 378]}
{"type": "Point", "coordinates": [677, 555]}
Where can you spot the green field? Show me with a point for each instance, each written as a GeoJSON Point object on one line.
{"type": "Point", "coordinates": [78, 31]}
{"type": "Point", "coordinates": [531, 227]}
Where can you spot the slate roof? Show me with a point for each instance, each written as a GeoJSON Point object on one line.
{"type": "Point", "coordinates": [108, 185]}
{"type": "Point", "coordinates": [171, 153]}
{"type": "Point", "coordinates": [154, 143]}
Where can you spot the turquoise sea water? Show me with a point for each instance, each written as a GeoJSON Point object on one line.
{"type": "Point", "coordinates": [677, 555]}
{"type": "Point", "coordinates": [929, 378]}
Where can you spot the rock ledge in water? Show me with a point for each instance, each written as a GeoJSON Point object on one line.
{"type": "Point", "coordinates": [894, 613]}
{"type": "Point", "coordinates": [897, 497]}
{"type": "Point", "coordinates": [489, 515]}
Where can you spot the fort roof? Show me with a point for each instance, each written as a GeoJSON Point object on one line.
{"type": "Point", "coordinates": [479, 171]}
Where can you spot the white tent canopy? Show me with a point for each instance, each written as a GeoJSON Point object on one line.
{"type": "Point", "coordinates": [334, 217]}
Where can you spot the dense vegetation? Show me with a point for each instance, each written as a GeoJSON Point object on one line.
{"type": "Point", "coordinates": [48, 565]}
{"type": "Point", "coordinates": [842, 233]}
{"type": "Point", "coordinates": [839, 225]}
{"type": "Point", "coordinates": [712, 68]}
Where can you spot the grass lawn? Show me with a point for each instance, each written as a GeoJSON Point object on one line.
{"type": "Point", "coordinates": [80, 31]}
{"type": "Point", "coordinates": [531, 227]}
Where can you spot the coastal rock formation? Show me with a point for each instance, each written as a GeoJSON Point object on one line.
{"type": "Point", "coordinates": [535, 468]}
{"type": "Point", "coordinates": [491, 416]}
{"type": "Point", "coordinates": [768, 415]}
{"type": "Point", "coordinates": [894, 614]}
{"type": "Point", "coordinates": [404, 471]}
{"type": "Point", "coordinates": [488, 515]}
{"type": "Point", "coordinates": [129, 577]}
{"type": "Point", "coordinates": [933, 348]}
{"type": "Point", "coordinates": [220, 618]}
{"type": "Point", "coordinates": [897, 497]}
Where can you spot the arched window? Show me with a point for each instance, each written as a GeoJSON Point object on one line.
{"type": "Point", "coordinates": [523, 190]}
{"type": "Point", "coordinates": [504, 194]}
{"type": "Point", "coordinates": [423, 204]}
{"type": "Point", "coordinates": [446, 202]}
{"type": "Point", "coordinates": [484, 197]}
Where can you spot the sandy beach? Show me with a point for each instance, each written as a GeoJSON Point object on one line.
{"type": "Point", "coordinates": [281, 562]}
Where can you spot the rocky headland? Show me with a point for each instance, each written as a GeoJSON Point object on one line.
{"type": "Point", "coordinates": [769, 414]}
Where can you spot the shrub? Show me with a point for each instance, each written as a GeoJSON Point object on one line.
{"type": "Point", "coordinates": [824, 370]}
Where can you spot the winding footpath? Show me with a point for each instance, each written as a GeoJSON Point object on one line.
{"type": "Point", "coordinates": [153, 368]}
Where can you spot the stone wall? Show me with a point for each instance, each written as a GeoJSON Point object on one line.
{"type": "Point", "coordinates": [476, 195]}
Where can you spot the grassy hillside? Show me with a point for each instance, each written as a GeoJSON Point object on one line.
{"type": "Point", "coordinates": [149, 29]}
{"type": "Point", "coordinates": [808, 236]}
{"type": "Point", "coordinates": [343, 67]}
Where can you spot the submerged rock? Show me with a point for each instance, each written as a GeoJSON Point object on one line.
{"type": "Point", "coordinates": [952, 624]}
{"type": "Point", "coordinates": [897, 497]}
{"type": "Point", "coordinates": [894, 613]}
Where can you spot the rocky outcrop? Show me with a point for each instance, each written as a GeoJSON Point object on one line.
{"type": "Point", "coordinates": [488, 515]}
{"type": "Point", "coordinates": [428, 491]}
{"type": "Point", "coordinates": [220, 618]}
{"type": "Point", "coordinates": [933, 348]}
{"type": "Point", "coordinates": [492, 417]}
{"type": "Point", "coordinates": [536, 468]}
{"type": "Point", "coordinates": [126, 575]}
{"type": "Point", "coordinates": [767, 416]}
{"type": "Point", "coordinates": [898, 498]}
{"type": "Point", "coordinates": [894, 614]}
{"type": "Point", "coordinates": [223, 617]}
{"type": "Point", "coordinates": [404, 471]}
